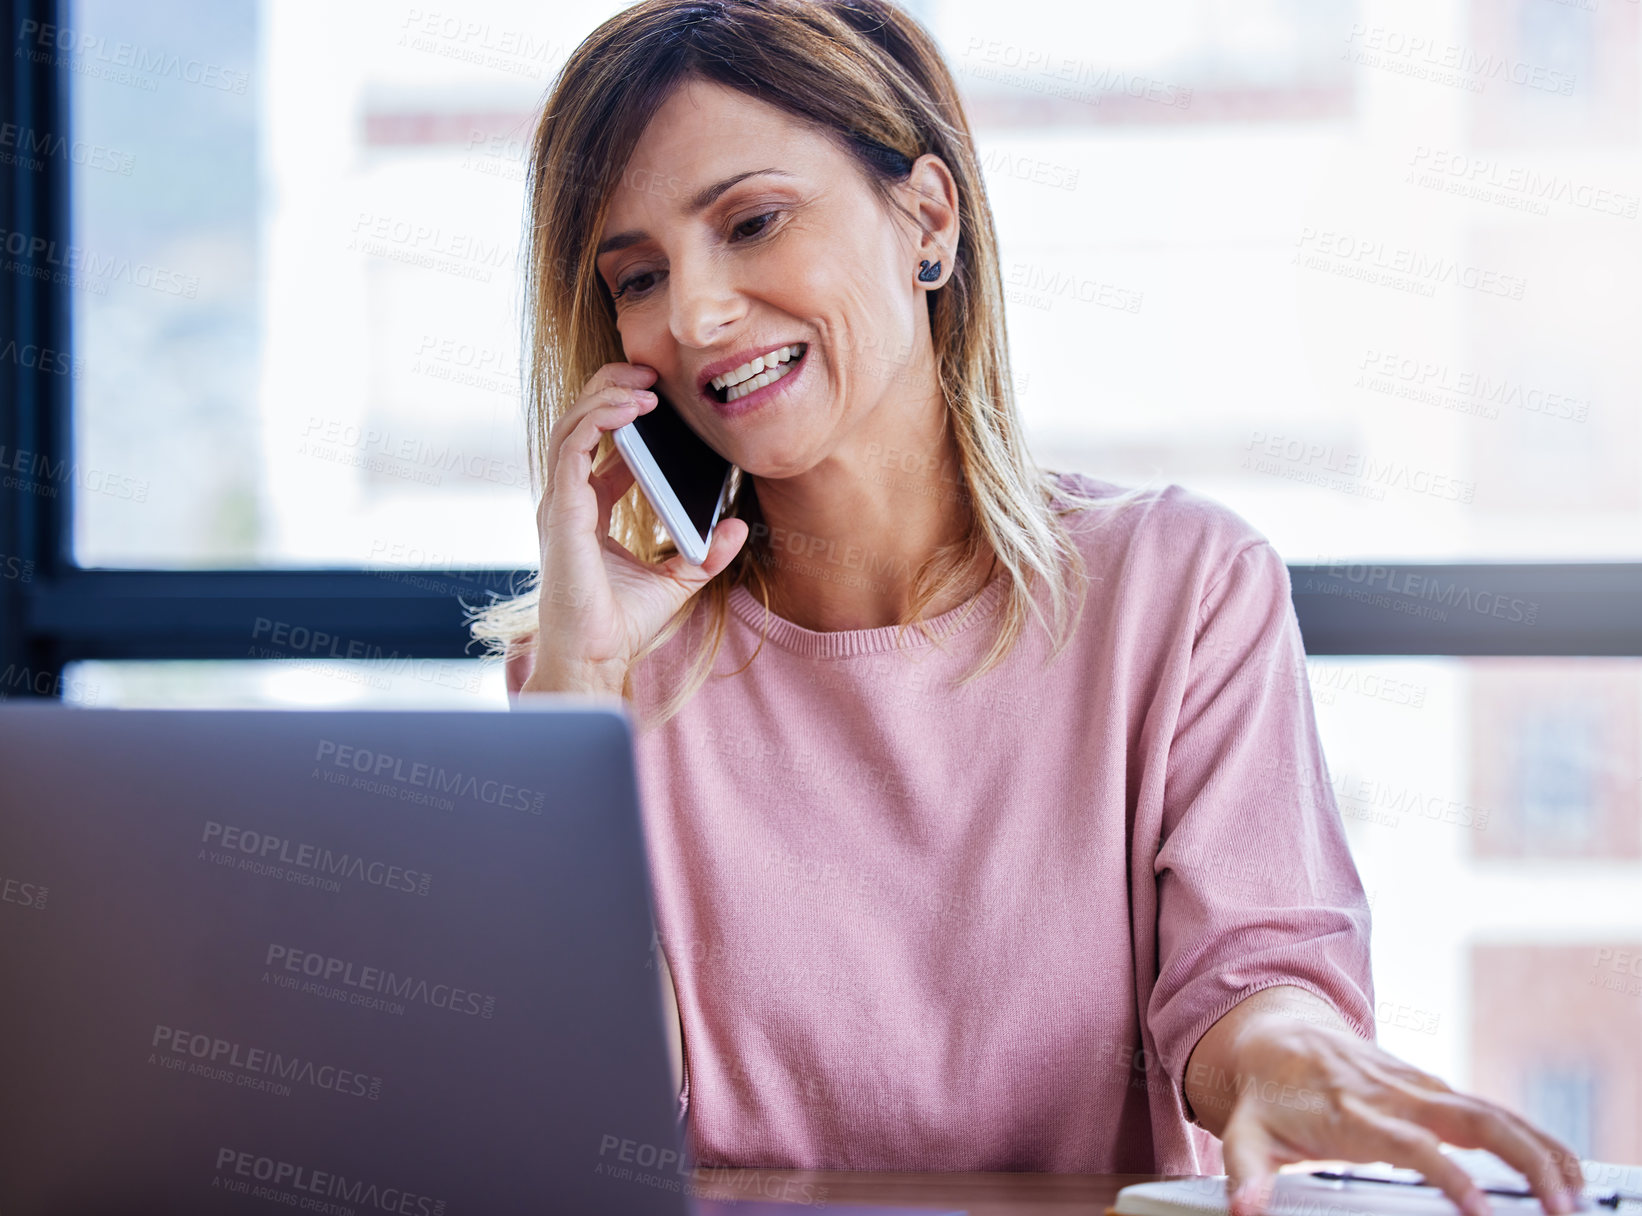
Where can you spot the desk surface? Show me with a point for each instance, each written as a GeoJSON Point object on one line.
{"type": "Point", "coordinates": [981, 1194]}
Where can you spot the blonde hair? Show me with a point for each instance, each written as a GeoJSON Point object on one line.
{"type": "Point", "coordinates": [866, 74]}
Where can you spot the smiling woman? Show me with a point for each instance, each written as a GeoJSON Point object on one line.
{"type": "Point", "coordinates": [641, 228]}
{"type": "Point", "coordinates": [1072, 898]}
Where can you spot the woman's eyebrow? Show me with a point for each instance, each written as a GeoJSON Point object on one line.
{"type": "Point", "coordinates": [703, 199]}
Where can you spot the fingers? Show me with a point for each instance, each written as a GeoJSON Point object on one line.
{"type": "Point", "coordinates": [572, 466]}
{"type": "Point", "coordinates": [1551, 1167]}
{"type": "Point", "coordinates": [611, 464]}
{"type": "Point", "coordinates": [727, 539]}
{"type": "Point", "coordinates": [1251, 1163]}
{"type": "Point", "coordinates": [626, 375]}
{"type": "Point", "coordinates": [1382, 1137]}
{"type": "Point", "coordinates": [611, 480]}
{"type": "Point", "coordinates": [609, 409]}
{"type": "Point", "coordinates": [1571, 1169]}
{"type": "Point", "coordinates": [607, 416]}
{"type": "Point", "coordinates": [612, 382]}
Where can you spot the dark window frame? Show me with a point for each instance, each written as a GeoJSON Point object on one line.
{"type": "Point", "coordinates": [54, 612]}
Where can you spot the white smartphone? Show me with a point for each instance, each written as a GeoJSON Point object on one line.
{"type": "Point", "coordinates": [687, 482]}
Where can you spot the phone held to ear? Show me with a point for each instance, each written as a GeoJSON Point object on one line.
{"type": "Point", "coordinates": [685, 481]}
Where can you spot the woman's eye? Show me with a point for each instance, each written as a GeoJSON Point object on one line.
{"type": "Point", "coordinates": [761, 220]}
{"type": "Point", "coordinates": [627, 283]}
{"type": "Point", "coordinates": [636, 283]}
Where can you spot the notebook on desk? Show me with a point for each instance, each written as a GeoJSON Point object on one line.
{"type": "Point", "coordinates": [348, 963]}
{"type": "Point", "coordinates": [1319, 1189]}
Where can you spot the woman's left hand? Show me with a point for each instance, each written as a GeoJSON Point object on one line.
{"type": "Point", "coordinates": [1280, 1082]}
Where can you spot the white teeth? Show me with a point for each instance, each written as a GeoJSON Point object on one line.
{"type": "Point", "coordinates": [760, 364]}
{"type": "Point", "coordinates": [757, 382]}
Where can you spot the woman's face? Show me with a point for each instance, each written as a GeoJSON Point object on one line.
{"type": "Point", "coordinates": [789, 247]}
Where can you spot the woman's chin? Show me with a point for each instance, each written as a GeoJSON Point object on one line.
{"type": "Point", "coordinates": [768, 466]}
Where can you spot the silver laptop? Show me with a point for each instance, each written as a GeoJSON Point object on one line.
{"type": "Point", "coordinates": [380, 962]}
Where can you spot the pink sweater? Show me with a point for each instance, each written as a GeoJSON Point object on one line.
{"type": "Point", "coordinates": [919, 928]}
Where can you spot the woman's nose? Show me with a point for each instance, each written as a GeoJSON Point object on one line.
{"type": "Point", "coordinates": [702, 299]}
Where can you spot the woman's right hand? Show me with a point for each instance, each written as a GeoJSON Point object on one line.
{"type": "Point", "coordinates": [599, 604]}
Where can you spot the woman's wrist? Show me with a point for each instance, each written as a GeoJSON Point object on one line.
{"type": "Point", "coordinates": [554, 676]}
{"type": "Point", "coordinates": [1238, 1051]}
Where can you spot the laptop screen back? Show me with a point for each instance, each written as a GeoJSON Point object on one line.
{"type": "Point", "coordinates": [378, 962]}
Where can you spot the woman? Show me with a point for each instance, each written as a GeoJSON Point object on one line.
{"type": "Point", "coordinates": [1000, 835]}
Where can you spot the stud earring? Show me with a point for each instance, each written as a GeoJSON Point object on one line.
{"type": "Point", "coordinates": [928, 273]}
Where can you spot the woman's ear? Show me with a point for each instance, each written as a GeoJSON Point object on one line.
{"type": "Point", "coordinates": [930, 196]}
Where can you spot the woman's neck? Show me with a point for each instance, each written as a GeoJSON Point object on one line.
{"type": "Point", "coordinates": [840, 550]}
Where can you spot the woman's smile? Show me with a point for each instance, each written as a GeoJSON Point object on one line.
{"type": "Point", "coordinates": [768, 379]}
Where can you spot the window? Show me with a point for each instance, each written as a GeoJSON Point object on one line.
{"type": "Point", "coordinates": [260, 427]}
{"type": "Point", "coordinates": [1556, 1031]}
{"type": "Point", "coordinates": [1555, 761]}
{"type": "Point", "coordinates": [1562, 1100]}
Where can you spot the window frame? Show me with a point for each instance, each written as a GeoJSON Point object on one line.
{"type": "Point", "coordinates": [63, 612]}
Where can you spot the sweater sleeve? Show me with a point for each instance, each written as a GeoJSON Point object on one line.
{"type": "Point", "coordinates": [1255, 882]}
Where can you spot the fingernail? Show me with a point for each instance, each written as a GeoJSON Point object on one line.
{"type": "Point", "coordinates": [1476, 1204]}
{"type": "Point", "coordinates": [645, 394]}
